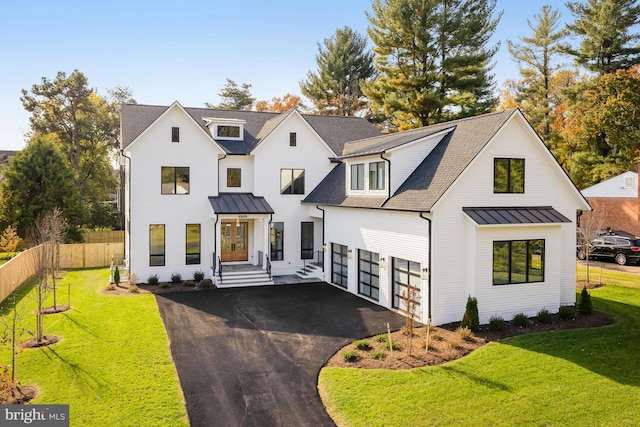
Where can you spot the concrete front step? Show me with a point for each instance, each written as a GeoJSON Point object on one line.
{"type": "Point", "coordinates": [238, 279]}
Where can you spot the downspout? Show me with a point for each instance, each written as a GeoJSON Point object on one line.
{"type": "Point", "coordinates": [221, 158]}
{"type": "Point", "coordinates": [129, 207]}
{"type": "Point", "coordinates": [215, 244]}
{"type": "Point", "coordinates": [324, 244]}
{"type": "Point", "coordinates": [389, 186]}
{"type": "Point", "coordinates": [429, 272]}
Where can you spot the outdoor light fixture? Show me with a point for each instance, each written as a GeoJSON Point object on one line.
{"type": "Point", "coordinates": [324, 247]}
{"type": "Point", "coordinates": [349, 253]}
{"type": "Point", "coordinates": [425, 273]}
{"type": "Point", "coordinates": [383, 263]}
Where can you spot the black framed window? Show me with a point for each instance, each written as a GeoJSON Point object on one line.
{"type": "Point", "coordinates": [357, 176]}
{"type": "Point", "coordinates": [192, 241]}
{"type": "Point", "coordinates": [306, 240]}
{"type": "Point", "coordinates": [234, 177]}
{"type": "Point", "coordinates": [518, 261]}
{"type": "Point", "coordinates": [175, 134]}
{"type": "Point", "coordinates": [277, 241]}
{"type": "Point", "coordinates": [369, 274]}
{"type": "Point", "coordinates": [376, 176]}
{"type": "Point", "coordinates": [156, 245]}
{"type": "Point", "coordinates": [339, 264]}
{"type": "Point", "coordinates": [405, 273]}
{"type": "Point", "coordinates": [508, 175]}
{"type": "Point", "coordinates": [291, 181]}
{"type": "Point", "coordinates": [225, 131]}
{"type": "Point", "coordinates": [293, 139]}
{"type": "Point", "coordinates": [175, 180]}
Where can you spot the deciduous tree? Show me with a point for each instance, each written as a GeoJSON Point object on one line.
{"type": "Point", "coordinates": [280, 105]}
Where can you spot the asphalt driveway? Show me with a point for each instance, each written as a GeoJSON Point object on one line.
{"type": "Point", "coordinates": [251, 356]}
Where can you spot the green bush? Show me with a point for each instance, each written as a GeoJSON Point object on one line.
{"type": "Point", "coordinates": [471, 319]}
{"type": "Point", "coordinates": [544, 316]}
{"type": "Point", "coordinates": [585, 306]}
{"type": "Point", "coordinates": [381, 338]}
{"type": "Point", "coordinates": [520, 320]}
{"type": "Point", "coordinates": [567, 312]}
{"type": "Point", "coordinates": [350, 355]}
{"type": "Point", "coordinates": [116, 276]}
{"type": "Point", "coordinates": [206, 283]}
{"type": "Point", "coordinates": [176, 278]}
{"type": "Point", "coordinates": [496, 323]}
{"type": "Point", "coordinates": [198, 276]}
{"type": "Point", "coordinates": [378, 354]}
{"type": "Point", "coordinates": [153, 280]}
{"type": "Point", "coordinates": [164, 284]}
{"type": "Point", "coordinates": [394, 345]}
{"type": "Point", "coordinates": [188, 283]}
{"type": "Point", "coordinates": [362, 344]}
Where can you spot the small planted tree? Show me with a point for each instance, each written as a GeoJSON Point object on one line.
{"type": "Point", "coordinates": [590, 225]}
{"type": "Point", "coordinates": [12, 323]}
{"type": "Point", "coordinates": [471, 319]}
{"type": "Point", "coordinates": [412, 300]}
{"type": "Point", "coordinates": [116, 276]}
{"type": "Point", "coordinates": [585, 306]}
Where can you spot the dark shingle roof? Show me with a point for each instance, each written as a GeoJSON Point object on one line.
{"type": "Point", "coordinates": [239, 203]}
{"type": "Point", "coordinates": [515, 215]}
{"type": "Point", "coordinates": [437, 172]}
{"type": "Point", "coordinates": [335, 131]}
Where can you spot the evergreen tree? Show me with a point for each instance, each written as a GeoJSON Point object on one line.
{"type": "Point", "coordinates": [433, 59]}
{"type": "Point", "coordinates": [234, 97]}
{"type": "Point", "coordinates": [605, 29]}
{"type": "Point", "coordinates": [471, 319]}
{"type": "Point", "coordinates": [343, 63]}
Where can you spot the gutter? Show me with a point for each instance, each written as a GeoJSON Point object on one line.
{"type": "Point", "coordinates": [128, 217]}
{"type": "Point", "coordinates": [221, 158]}
{"type": "Point", "coordinates": [389, 185]}
{"type": "Point", "coordinates": [324, 244]}
{"type": "Point", "coordinates": [429, 271]}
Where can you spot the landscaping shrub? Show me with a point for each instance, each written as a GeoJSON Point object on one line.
{"type": "Point", "coordinates": [164, 285]}
{"type": "Point", "coordinates": [585, 306]}
{"type": "Point", "coordinates": [544, 316]}
{"type": "Point", "coordinates": [116, 276]}
{"type": "Point", "coordinates": [176, 278]}
{"type": "Point", "coordinates": [153, 280]}
{"type": "Point", "coordinates": [567, 312]}
{"type": "Point", "coordinates": [188, 283]}
{"type": "Point", "coordinates": [381, 338]}
{"type": "Point", "coordinates": [378, 354]}
{"type": "Point", "coordinates": [470, 319]}
{"type": "Point", "coordinates": [206, 283]}
{"type": "Point", "coordinates": [350, 355]}
{"type": "Point", "coordinates": [435, 335]}
{"type": "Point", "coordinates": [394, 345]}
{"type": "Point", "coordinates": [198, 276]}
{"type": "Point", "coordinates": [362, 344]}
{"type": "Point", "coordinates": [496, 323]}
{"type": "Point", "coordinates": [465, 333]}
{"type": "Point", "coordinates": [520, 320]}
{"type": "Point", "coordinates": [134, 289]}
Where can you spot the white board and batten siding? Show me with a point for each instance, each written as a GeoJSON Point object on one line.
{"type": "Point", "coordinates": [463, 251]}
{"type": "Point", "coordinates": [150, 152]}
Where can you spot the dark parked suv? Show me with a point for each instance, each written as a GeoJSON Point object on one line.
{"type": "Point", "coordinates": [620, 249]}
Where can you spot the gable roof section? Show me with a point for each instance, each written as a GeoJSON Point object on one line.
{"type": "Point", "coordinates": [515, 215]}
{"type": "Point", "coordinates": [382, 143]}
{"type": "Point", "coordinates": [615, 187]}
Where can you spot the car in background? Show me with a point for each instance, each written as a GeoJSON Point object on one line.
{"type": "Point", "coordinates": [621, 249]}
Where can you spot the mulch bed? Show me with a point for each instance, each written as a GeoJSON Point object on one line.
{"type": "Point", "coordinates": [45, 341]}
{"type": "Point", "coordinates": [144, 288]}
{"type": "Point", "coordinates": [56, 309]}
{"type": "Point", "coordinates": [14, 393]}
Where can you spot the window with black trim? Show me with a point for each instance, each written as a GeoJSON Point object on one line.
{"type": "Point", "coordinates": [175, 134]}
{"type": "Point", "coordinates": [293, 139]}
{"type": "Point", "coordinates": [508, 175]}
{"type": "Point", "coordinates": [368, 274]}
{"type": "Point", "coordinates": [405, 273]}
{"type": "Point", "coordinates": [376, 176]}
{"type": "Point", "coordinates": [277, 241]}
{"type": "Point", "coordinates": [175, 180]}
{"type": "Point", "coordinates": [306, 240]}
{"type": "Point", "coordinates": [357, 176]}
{"type": "Point", "coordinates": [234, 177]}
{"type": "Point", "coordinates": [291, 181]}
{"type": "Point", "coordinates": [339, 264]}
{"type": "Point", "coordinates": [226, 131]}
{"type": "Point", "coordinates": [518, 261]}
{"type": "Point", "coordinates": [192, 239]}
{"type": "Point", "coordinates": [156, 245]}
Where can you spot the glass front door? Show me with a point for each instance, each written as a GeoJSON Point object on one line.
{"type": "Point", "coordinates": [234, 243]}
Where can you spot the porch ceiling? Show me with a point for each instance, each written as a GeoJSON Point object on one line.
{"type": "Point", "coordinates": [239, 203]}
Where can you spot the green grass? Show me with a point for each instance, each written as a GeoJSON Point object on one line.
{"type": "Point", "coordinates": [6, 256]}
{"type": "Point", "coordinates": [569, 378]}
{"type": "Point", "coordinates": [113, 365]}
{"type": "Point", "coordinates": [609, 276]}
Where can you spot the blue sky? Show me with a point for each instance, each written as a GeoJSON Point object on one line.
{"type": "Point", "coordinates": [184, 50]}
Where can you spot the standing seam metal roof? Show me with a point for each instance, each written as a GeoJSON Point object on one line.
{"type": "Point", "coordinates": [515, 215]}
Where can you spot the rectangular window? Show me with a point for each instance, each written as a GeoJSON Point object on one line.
{"type": "Point", "coordinates": [306, 240]}
{"type": "Point", "coordinates": [368, 274]}
{"type": "Point", "coordinates": [376, 176]}
{"type": "Point", "coordinates": [224, 131]}
{"type": "Point", "coordinates": [508, 175]}
{"type": "Point", "coordinates": [518, 261]}
{"type": "Point", "coordinates": [405, 274]}
{"type": "Point", "coordinates": [234, 177]}
{"type": "Point", "coordinates": [277, 241]}
{"type": "Point", "coordinates": [339, 264]}
{"type": "Point", "coordinates": [193, 244]}
{"type": "Point", "coordinates": [291, 181]}
{"type": "Point", "coordinates": [175, 180]}
{"type": "Point", "coordinates": [357, 176]}
{"type": "Point", "coordinates": [156, 245]}
{"type": "Point", "coordinates": [175, 134]}
{"type": "Point", "coordinates": [292, 139]}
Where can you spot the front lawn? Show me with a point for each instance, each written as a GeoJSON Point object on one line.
{"type": "Point", "coordinates": [113, 365]}
{"type": "Point", "coordinates": [570, 378]}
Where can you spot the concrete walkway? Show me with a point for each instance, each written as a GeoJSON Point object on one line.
{"type": "Point", "coordinates": [251, 356]}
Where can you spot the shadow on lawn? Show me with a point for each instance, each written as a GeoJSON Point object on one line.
{"type": "Point", "coordinates": [78, 372]}
{"type": "Point", "coordinates": [610, 351]}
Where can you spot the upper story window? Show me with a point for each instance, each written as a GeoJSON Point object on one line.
{"type": "Point", "coordinates": [230, 129]}
{"type": "Point", "coordinates": [291, 181]}
{"type": "Point", "coordinates": [376, 176]}
{"type": "Point", "coordinates": [175, 180]}
{"type": "Point", "coordinates": [357, 176]}
{"type": "Point", "coordinates": [292, 139]}
{"type": "Point", "coordinates": [175, 134]}
{"type": "Point", "coordinates": [234, 177]}
{"type": "Point", "coordinates": [508, 175]}
{"type": "Point", "coordinates": [629, 182]}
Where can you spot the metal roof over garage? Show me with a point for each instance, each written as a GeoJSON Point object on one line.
{"type": "Point", "coordinates": [239, 203]}
{"type": "Point", "coordinates": [515, 215]}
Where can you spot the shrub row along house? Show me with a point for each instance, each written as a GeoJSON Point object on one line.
{"type": "Point", "coordinates": [476, 206]}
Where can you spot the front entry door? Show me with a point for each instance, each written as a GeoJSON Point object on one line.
{"type": "Point", "coordinates": [234, 241]}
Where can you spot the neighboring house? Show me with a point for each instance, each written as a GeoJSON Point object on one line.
{"type": "Point", "coordinates": [476, 206]}
{"type": "Point", "coordinates": [619, 200]}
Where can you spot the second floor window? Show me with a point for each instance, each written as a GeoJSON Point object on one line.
{"type": "Point", "coordinates": [234, 177]}
{"type": "Point", "coordinates": [508, 175]}
{"type": "Point", "coordinates": [175, 180]}
{"type": "Point", "coordinates": [228, 131]}
{"type": "Point", "coordinates": [292, 139]}
{"type": "Point", "coordinates": [357, 176]}
{"type": "Point", "coordinates": [376, 176]}
{"type": "Point", "coordinates": [292, 181]}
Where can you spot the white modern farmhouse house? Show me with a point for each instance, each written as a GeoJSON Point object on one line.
{"type": "Point", "coordinates": [476, 206]}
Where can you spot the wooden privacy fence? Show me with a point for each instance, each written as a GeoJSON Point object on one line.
{"type": "Point", "coordinates": [115, 236]}
{"type": "Point", "coordinates": [82, 255]}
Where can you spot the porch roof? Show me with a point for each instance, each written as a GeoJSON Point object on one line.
{"type": "Point", "coordinates": [515, 215]}
{"type": "Point", "coordinates": [239, 203]}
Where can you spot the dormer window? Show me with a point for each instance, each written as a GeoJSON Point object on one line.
{"type": "Point", "coordinates": [226, 129]}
